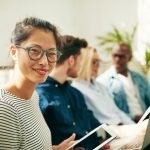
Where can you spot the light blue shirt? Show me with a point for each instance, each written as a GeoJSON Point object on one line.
{"type": "Point", "coordinates": [101, 103]}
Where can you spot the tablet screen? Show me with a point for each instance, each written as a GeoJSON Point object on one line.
{"type": "Point", "coordinates": [102, 135]}
{"type": "Point", "coordinates": [145, 115]}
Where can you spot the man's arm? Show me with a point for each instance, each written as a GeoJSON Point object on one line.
{"type": "Point", "coordinates": [131, 136]}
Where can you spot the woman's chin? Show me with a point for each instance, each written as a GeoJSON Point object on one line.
{"type": "Point", "coordinates": [38, 81]}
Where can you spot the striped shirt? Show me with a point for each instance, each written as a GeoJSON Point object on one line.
{"type": "Point", "coordinates": [22, 126]}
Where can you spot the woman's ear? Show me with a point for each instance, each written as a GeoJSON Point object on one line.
{"type": "Point", "coordinates": [13, 52]}
{"type": "Point", "coordinates": [71, 60]}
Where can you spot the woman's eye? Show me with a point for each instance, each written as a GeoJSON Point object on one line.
{"type": "Point", "coordinates": [35, 51]}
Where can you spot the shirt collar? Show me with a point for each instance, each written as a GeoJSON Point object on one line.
{"type": "Point", "coordinates": [114, 74]}
{"type": "Point", "coordinates": [55, 82]}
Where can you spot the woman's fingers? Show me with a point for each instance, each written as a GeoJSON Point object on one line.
{"type": "Point", "coordinates": [71, 138]}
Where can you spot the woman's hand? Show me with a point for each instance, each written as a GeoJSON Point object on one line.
{"type": "Point", "coordinates": [65, 144]}
{"type": "Point", "coordinates": [106, 147]}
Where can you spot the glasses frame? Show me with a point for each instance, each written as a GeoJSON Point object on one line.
{"type": "Point", "coordinates": [46, 52]}
{"type": "Point", "coordinates": [96, 62]}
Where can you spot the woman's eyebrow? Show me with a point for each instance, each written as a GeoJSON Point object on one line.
{"type": "Point", "coordinates": [38, 46]}
{"type": "Point", "coordinates": [34, 45]}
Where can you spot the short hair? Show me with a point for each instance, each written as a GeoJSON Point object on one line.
{"type": "Point", "coordinates": [24, 28]}
{"type": "Point", "coordinates": [85, 69]}
{"type": "Point", "coordinates": [124, 45]}
{"type": "Point", "coordinates": [70, 46]}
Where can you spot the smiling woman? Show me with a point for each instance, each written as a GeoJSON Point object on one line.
{"type": "Point", "coordinates": [34, 51]}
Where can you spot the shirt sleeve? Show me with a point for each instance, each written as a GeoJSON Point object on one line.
{"type": "Point", "coordinates": [9, 127]}
{"type": "Point", "coordinates": [124, 117]}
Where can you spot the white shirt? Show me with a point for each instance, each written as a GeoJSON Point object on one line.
{"type": "Point", "coordinates": [132, 94]}
{"type": "Point", "coordinates": [100, 102]}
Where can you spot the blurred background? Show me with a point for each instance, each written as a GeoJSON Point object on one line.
{"type": "Point", "coordinates": [101, 22]}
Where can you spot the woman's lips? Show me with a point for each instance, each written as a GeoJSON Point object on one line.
{"type": "Point", "coordinates": [41, 71]}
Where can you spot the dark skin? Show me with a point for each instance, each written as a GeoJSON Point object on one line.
{"type": "Point", "coordinates": [121, 55]}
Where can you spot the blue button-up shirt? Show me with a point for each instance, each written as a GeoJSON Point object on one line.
{"type": "Point", "coordinates": [65, 111]}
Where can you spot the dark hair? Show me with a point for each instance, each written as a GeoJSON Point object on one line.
{"type": "Point", "coordinates": [24, 28]}
{"type": "Point", "coordinates": [124, 45]}
{"type": "Point", "coordinates": [70, 46]}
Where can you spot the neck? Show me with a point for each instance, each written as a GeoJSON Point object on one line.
{"type": "Point", "coordinates": [21, 88]}
{"type": "Point", "coordinates": [59, 74]}
{"type": "Point", "coordinates": [124, 73]}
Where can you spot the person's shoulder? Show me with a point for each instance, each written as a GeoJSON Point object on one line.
{"type": "Point", "coordinates": [137, 74]}
{"type": "Point", "coordinates": [75, 91]}
{"type": "Point", "coordinates": [103, 77]}
{"type": "Point", "coordinates": [100, 85]}
{"type": "Point", "coordinates": [6, 97]}
{"type": "Point", "coordinates": [78, 96]}
{"type": "Point", "coordinates": [47, 85]}
{"type": "Point", "coordinates": [7, 104]}
{"type": "Point", "coordinates": [78, 83]}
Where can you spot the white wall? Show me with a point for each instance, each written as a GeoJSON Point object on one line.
{"type": "Point", "coordinates": [59, 12]}
{"type": "Point", "coordinates": [84, 18]}
{"type": "Point", "coordinates": [143, 28]}
{"type": "Point", "coordinates": [96, 17]}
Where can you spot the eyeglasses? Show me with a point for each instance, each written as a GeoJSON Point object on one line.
{"type": "Point", "coordinates": [36, 53]}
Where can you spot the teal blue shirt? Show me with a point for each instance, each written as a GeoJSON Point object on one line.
{"type": "Point", "coordinates": [65, 112]}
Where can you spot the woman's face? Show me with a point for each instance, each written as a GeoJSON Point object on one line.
{"type": "Point", "coordinates": [95, 64]}
{"type": "Point", "coordinates": [31, 70]}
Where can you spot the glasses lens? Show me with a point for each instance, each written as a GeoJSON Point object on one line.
{"type": "Point", "coordinates": [53, 56]}
{"type": "Point", "coordinates": [35, 53]}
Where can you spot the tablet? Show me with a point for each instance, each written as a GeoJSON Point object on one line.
{"type": "Point", "coordinates": [145, 115]}
{"type": "Point", "coordinates": [103, 132]}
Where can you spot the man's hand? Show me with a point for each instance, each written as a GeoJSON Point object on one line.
{"type": "Point", "coordinates": [137, 118]}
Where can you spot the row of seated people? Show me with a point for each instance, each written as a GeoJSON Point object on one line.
{"type": "Point", "coordinates": [85, 104]}
{"type": "Point", "coordinates": [34, 50]}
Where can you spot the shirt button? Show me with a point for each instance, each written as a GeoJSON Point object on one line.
{"type": "Point", "coordinates": [56, 85]}
{"type": "Point", "coordinates": [86, 132]}
{"type": "Point", "coordinates": [68, 106]}
{"type": "Point", "coordinates": [74, 123]}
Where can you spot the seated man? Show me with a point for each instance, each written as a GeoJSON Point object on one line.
{"type": "Point", "coordinates": [62, 105]}
{"type": "Point", "coordinates": [130, 90]}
